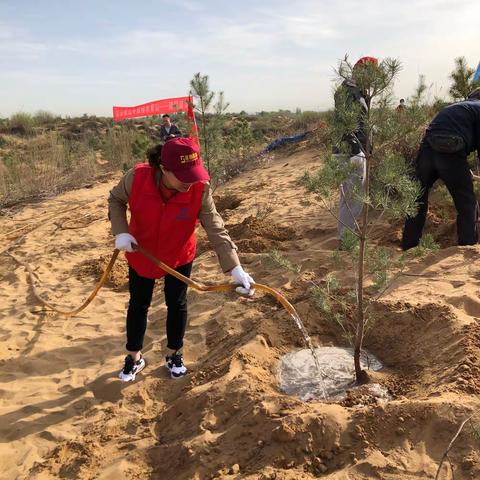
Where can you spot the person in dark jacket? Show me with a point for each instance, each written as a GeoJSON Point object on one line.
{"type": "Point", "coordinates": [168, 129]}
{"type": "Point", "coordinates": [451, 136]}
{"type": "Point", "coordinates": [401, 106]}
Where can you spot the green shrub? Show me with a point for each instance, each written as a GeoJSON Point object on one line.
{"type": "Point", "coordinates": [307, 120]}
{"type": "Point", "coordinates": [44, 117]}
{"type": "Point", "coordinates": [117, 146]}
{"type": "Point", "coordinates": [21, 123]}
{"type": "Point", "coordinates": [47, 164]}
{"type": "Point", "coordinates": [140, 145]}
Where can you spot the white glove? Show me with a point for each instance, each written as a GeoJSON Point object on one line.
{"type": "Point", "coordinates": [241, 277]}
{"type": "Point", "coordinates": [123, 241]}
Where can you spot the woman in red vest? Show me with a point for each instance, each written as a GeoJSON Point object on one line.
{"type": "Point", "coordinates": [167, 198]}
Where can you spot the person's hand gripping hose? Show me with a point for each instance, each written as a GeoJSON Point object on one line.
{"type": "Point", "coordinates": [125, 242]}
{"type": "Point", "coordinates": [242, 278]}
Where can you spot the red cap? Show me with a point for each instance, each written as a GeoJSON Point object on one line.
{"type": "Point", "coordinates": [364, 60]}
{"type": "Point", "coordinates": [181, 156]}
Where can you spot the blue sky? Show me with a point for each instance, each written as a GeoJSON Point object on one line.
{"type": "Point", "coordinates": [85, 56]}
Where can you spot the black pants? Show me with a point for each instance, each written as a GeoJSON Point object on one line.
{"type": "Point", "coordinates": [454, 170]}
{"type": "Point", "coordinates": [141, 290]}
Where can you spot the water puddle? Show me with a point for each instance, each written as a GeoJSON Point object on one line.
{"type": "Point", "coordinates": [299, 373]}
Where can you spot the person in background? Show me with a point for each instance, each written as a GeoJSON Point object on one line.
{"type": "Point", "coordinates": [168, 129]}
{"type": "Point", "coordinates": [350, 207]}
{"type": "Point", "coordinates": [167, 197]}
{"type": "Point", "coordinates": [451, 136]}
{"type": "Point", "coordinates": [401, 106]}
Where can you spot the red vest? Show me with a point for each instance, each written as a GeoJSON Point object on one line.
{"type": "Point", "coordinates": [166, 230]}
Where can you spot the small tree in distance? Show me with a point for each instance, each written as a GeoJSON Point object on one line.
{"type": "Point", "coordinates": [462, 80]}
{"type": "Point", "coordinates": [210, 129]}
{"type": "Point", "coordinates": [388, 188]}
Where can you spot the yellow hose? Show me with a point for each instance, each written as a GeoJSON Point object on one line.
{"type": "Point", "coordinates": [224, 287]}
{"type": "Point", "coordinates": [84, 305]}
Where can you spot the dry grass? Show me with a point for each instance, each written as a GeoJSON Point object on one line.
{"type": "Point", "coordinates": [44, 165]}
{"type": "Point", "coordinates": [55, 161]}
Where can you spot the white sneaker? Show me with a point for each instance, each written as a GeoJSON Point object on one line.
{"type": "Point", "coordinates": [131, 368]}
{"type": "Point", "coordinates": [175, 365]}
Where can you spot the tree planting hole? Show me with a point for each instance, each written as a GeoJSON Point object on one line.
{"type": "Point", "coordinates": [298, 374]}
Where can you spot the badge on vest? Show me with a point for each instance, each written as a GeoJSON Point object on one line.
{"type": "Point", "coordinates": [191, 157]}
{"type": "Point", "coordinates": [183, 214]}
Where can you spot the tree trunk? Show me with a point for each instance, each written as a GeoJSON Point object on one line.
{"type": "Point", "coordinates": [205, 143]}
{"type": "Point", "coordinates": [360, 375]}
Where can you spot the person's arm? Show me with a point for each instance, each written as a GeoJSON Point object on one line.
{"type": "Point", "coordinates": [217, 235]}
{"type": "Point", "coordinates": [478, 139]}
{"type": "Point", "coordinates": [117, 203]}
{"type": "Point", "coordinates": [476, 129]}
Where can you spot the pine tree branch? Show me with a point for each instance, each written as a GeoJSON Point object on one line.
{"type": "Point", "coordinates": [375, 221]}
{"type": "Point", "coordinates": [342, 191]}
{"type": "Point", "coordinates": [359, 143]}
{"type": "Point", "coordinates": [450, 445]}
{"type": "Point", "coordinates": [330, 211]}
{"type": "Point", "coordinates": [451, 466]}
{"type": "Point", "coordinates": [384, 291]}
{"type": "Point", "coordinates": [330, 296]}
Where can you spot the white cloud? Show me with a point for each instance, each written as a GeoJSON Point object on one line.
{"type": "Point", "coordinates": [277, 54]}
{"type": "Point", "coordinates": [219, 41]}
{"type": "Point", "coordinates": [16, 44]}
{"type": "Point", "coordinates": [307, 31]}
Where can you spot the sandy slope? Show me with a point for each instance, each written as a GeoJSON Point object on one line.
{"type": "Point", "coordinates": [63, 414]}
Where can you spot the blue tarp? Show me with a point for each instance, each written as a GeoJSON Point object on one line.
{"type": "Point", "coordinates": [477, 73]}
{"type": "Point", "coordinates": [283, 141]}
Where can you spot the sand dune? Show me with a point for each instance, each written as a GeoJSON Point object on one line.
{"type": "Point", "coordinates": [63, 413]}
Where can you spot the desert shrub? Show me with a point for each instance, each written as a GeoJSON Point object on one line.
{"type": "Point", "coordinates": [47, 164]}
{"type": "Point", "coordinates": [276, 258]}
{"type": "Point", "coordinates": [44, 117]}
{"type": "Point", "coordinates": [141, 143]}
{"type": "Point", "coordinates": [117, 147]}
{"type": "Point", "coordinates": [270, 125]}
{"type": "Point", "coordinates": [307, 120]}
{"type": "Point", "coordinates": [21, 123]}
{"type": "Point", "coordinates": [238, 143]}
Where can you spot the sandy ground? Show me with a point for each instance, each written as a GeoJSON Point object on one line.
{"type": "Point", "coordinates": [63, 413]}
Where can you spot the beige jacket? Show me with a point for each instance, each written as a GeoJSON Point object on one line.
{"type": "Point", "coordinates": [210, 219]}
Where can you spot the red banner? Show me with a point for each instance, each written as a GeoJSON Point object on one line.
{"type": "Point", "coordinates": [159, 107]}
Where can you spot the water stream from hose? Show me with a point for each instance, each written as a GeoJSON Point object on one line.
{"type": "Point", "coordinates": [309, 343]}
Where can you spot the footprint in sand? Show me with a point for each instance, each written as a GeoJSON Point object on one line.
{"type": "Point", "coordinates": [109, 390]}
{"type": "Point", "coordinates": [466, 303]}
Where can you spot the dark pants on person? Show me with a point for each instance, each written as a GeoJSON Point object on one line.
{"type": "Point", "coordinates": [141, 290]}
{"type": "Point", "coordinates": [454, 170]}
